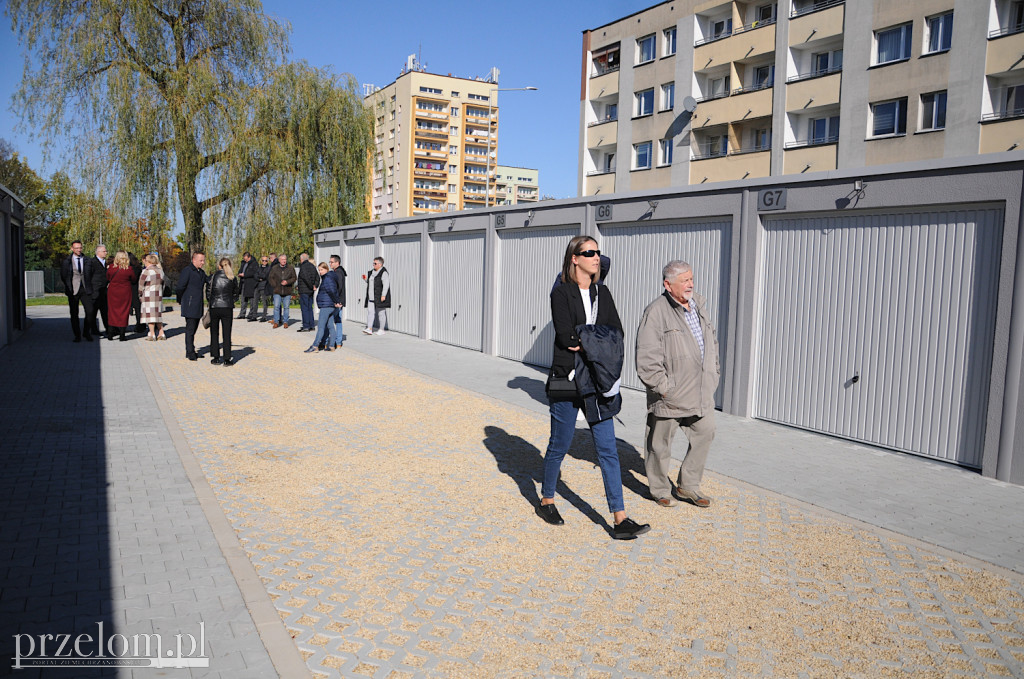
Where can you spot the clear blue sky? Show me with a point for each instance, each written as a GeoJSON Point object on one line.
{"type": "Point", "coordinates": [536, 44]}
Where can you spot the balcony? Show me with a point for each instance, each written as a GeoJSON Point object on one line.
{"type": "Point", "coordinates": [750, 102]}
{"type": "Point", "coordinates": [602, 121]}
{"type": "Point", "coordinates": [999, 133]}
{"type": "Point", "coordinates": [813, 6]}
{"type": "Point", "coordinates": [721, 167]}
{"type": "Point", "coordinates": [821, 21]}
{"type": "Point", "coordinates": [429, 173]}
{"type": "Point", "coordinates": [817, 157]}
{"type": "Point", "coordinates": [602, 135]}
{"type": "Point", "coordinates": [800, 77]}
{"type": "Point", "coordinates": [813, 92]}
{"type": "Point", "coordinates": [433, 155]}
{"type": "Point", "coordinates": [599, 182]}
{"type": "Point", "coordinates": [738, 46]}
{"type": "Point", "coordinates": [428, 133]}
{"type": "Point", "coordinates": [431, 115]}
{"type": "Point", "coordinates": [1003, 55]}
{"type": "Point", "coordinates": [1009, 30]}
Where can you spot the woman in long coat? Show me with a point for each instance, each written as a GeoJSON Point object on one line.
{"type": "Point", "coordinates": [120, 279]}
{"type": "Point", "coordinates": [151, 292]}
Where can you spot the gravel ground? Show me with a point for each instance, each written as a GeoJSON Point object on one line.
{"type": "Point", "coordinates": [391, 519]}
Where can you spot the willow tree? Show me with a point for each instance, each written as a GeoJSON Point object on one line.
{"type": "Point", "coordinates": [197, 108]}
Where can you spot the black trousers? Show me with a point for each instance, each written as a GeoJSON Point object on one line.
{"type": "Point", "coordinates": [268, 298]}
{"type": "Point", "coordinates": [99, 305]}
{"type": "Point", "coordinates": [251, 302]}
{"type": "Point", "coordinates": [191, 325]}
{"type": "Point", "coordinates": [90, 313]}
{"type": "Point", "coordinates": [220, 320]}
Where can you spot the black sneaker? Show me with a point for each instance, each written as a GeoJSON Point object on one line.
{"type": "Point", "coordinates": [550, 514]}
{"type": "Point", "coordinates": [628, 529]}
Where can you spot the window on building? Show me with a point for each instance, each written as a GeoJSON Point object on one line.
{"type": "Point", "coordinates": [933, 111]}
{"type": "Point", "coordinates": [606, 59]}
{"type": "Point", "coordinates": [665, 152]}
{"type": "Point", "coordinates": [645, 49]}
{"type": "Point", "coordinates": [479, 97]}
{"type": "Point", "coordinates": [828, 61]}
{"type": "Point", "coordinates": [940, 32]}
{"type": "Point", "coordinates": [668, 96]}
{"type": "Point", "coordinates": [764, 76]}
{"type": "Point", "coordinates": [609, 162]}
{"type": "Point", "coordinates": [644, 103]}
{"type": "Point", "coordinates": [453, 131]}
{"type": "Point", "coordinates": [721, 28]}
{"type": "Point", "coordinates": [766, 13]}
{"type": "Point", "coordinates": [669, 41]}
{"type": "Point", "coordinates": [452, 169]}
{"type": "Point", "coordinates": [392, 115]}
{"type": "Point", "coordinates": [889, 117]}
{"type": "Point", "coordinates": [453, 188]}
{"type": "Point", "coordinates": [642, 156]}
{"type": "Point", "coordinates": [1013, 100]}
{"type": "Point", "coordinates": [893, 44]}
{"type": "Point", "coordinates": [714, 145]}
{"type": "Point", "coordinates": [718, 87]}
{"type": "Point", "coordinates": [1016, 17]}
{"type": "Point", "coordinates": [611, 112]}
{"type": "Point", "coordinates": [426, 90]}
{"type": "Point", "coordinates": [455, 111]}
{"type": "Point", "coordinates": [823, 130]}
{"type": "Point", "coordinates": [453, 150]}
{"type": "Point", "coordinates": [454, 94]}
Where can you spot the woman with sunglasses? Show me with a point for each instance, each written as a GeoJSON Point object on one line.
{"type": "Point", "coordinates": [579, 300]}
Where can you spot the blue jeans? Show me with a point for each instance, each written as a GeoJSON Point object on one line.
{"type": "Point", "coordinates": [326, 320]}
{"type": "Point", "coordinates": [281, 306]}
{"type": "Point", "coordinates": [306, 306]}
{"type": "Point", "coordinates": [563, 427]}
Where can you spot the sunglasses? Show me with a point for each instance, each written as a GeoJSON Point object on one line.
{"type": "Point", "coordinates": [589, 253]}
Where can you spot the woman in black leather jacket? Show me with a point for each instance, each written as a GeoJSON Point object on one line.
{"type": "Point", "coordinates": [221, 292]}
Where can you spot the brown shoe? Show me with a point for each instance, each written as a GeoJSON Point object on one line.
{"type": "Point", "coordinates": [285, 326]}
{"type": "Point", "coordinates": [273, 325]}
{"type": "Point", "coordinates": [695, 499]}
{"type": "Point", "coordinates": [666, 502]}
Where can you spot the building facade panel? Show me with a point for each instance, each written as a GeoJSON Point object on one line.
{"type": "Point", "coordinates": [457, 288]}
{"type": "Point", "coordinates": [835, 357]}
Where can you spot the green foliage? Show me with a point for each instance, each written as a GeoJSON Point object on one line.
{"type": "Point", "coordinates": [191, 105]}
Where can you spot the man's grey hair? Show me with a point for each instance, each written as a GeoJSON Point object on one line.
{"type": "Point", "coordinates": [303, 257]}
{"type": "Point", "coordinates": [676, 267]}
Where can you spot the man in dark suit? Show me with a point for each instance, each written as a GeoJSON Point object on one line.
{"type": "Point", "coordinates": [190, 288]}
{"type": "Point", "coordinates": [97, 287]}
{"type": "Point", "coordinates": [75, 272]}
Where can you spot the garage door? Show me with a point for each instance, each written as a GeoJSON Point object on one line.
{"type": "Point", "coordinates": [457, 289]}
{"type": "Point", "coordinates": [528, 260]}
{"type": "Point", "coordinates": [402, 259]}
{"type": "Point", "coordinates": [879, 327]}
{"type": "Point", "coordinates": [638, 253]}
{"type": "Point", "coordinates": [358, 260]}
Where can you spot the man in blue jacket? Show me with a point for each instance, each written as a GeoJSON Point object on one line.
{"type": "Point", "coordinates": [190, 288]}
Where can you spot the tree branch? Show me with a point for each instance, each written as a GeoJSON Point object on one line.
{"type": "Point", "coordinates": [136, 59]}
{"type": "Point", "coordinates": [209, 49]}
{"type": "Point", "coordinates": [253, 177]}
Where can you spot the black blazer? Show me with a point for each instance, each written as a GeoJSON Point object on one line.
{"type": "Point", "coordinates": [97, 276]}
{"type": "Point", "coordinates": [190, 287]}
{"type": "Point", "coordinates": [66, 275]}
{"type": "Point", "coordinates": [567, 312]}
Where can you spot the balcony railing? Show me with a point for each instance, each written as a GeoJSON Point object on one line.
{"type": "Point", "coordinates": [754, 88]}
{"type": "Point", "coordinates": [820, 141]}
{"type": "Point", "coordinates": [602, 121]}
{"type": "Point", "coordinates": [761, 23]}
{"type": "Point", "coordinates": [711, 153]}
{"type": "Point", "coordinates": [1009, 30]}
{"type": "Point", "coordinates": [814, 74]}
{"type": "Point", "coordinates": [756, 148]}
{"type": "Point", "coordinates": [815, 6]}
{"type": "Point", "coordinates": [599, 71]}
{"type": "Point", "coordinates": [712, 97]}
{"type": "Point", "coordinates": [721, 36]}
{"type": "Point", "coordinates": [1003, 115]}
{"type": "Point", "coordinates": [595, 173]}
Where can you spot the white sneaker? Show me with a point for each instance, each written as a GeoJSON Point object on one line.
{"type": "Point", "coordinates": [380, 332]}
{"type": "Point", "coordinates": [367, 331]}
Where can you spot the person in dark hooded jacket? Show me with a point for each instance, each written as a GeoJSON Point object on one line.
{"type": "Point", "coordinates": [576, 305]}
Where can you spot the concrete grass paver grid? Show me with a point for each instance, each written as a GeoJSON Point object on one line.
{"type": "Point", "coordinates": [390, 518]}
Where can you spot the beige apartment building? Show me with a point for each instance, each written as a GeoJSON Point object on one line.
{"type": "Point", "coordinates": [517, 185]}
{"type": "Point", "coordinates": [796, 86]}
{"type": "Point", "coordinates": [436, 140]}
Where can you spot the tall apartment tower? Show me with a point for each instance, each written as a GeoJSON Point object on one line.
{"type": "Point", "coordinates": [796, 86]}
{"type": "Point", "coordinates": [436, 139]}
{"type": "Point", "coordinates": [517, 185]}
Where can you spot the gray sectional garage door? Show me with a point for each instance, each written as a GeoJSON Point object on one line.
{"type": "Point", "coordinates": [357, 261]}
{"type": "Point", "coordinates": [402, 260]}
{"type": "Point", "coordinates": [879, 327]}
{"type": "Point", "coordinates": [457, 286]}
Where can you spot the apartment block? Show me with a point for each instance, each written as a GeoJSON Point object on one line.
{"type": "Point", "coordinates": [796, 86]}
{"type": "Point", "coordinates": [436, 141]}
{"type": "Point", "coordinates": [517, 185]}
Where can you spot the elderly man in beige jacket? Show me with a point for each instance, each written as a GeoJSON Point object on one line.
{"type": "Point", "coordinates": [677, 360]}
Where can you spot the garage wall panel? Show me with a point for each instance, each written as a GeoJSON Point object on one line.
{"type": "Point", "coordinates": [358, 260]}
{"type": "Point", "coordinates": [640, 251]}
{"type": "Point", "coordinates": [457, 289]}
{"type": "Point", "coordinates": [402, 259]}
{"type": "Point", "coordinates": [528, 261]}
{"type": "Point", "coordinates": [880, 327]}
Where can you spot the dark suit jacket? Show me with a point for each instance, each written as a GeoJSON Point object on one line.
{"type": "Point", "coordinates": [190, 287]}
{"type": "Point", "coordinates": [339, 273]}
{"type": "Point", "coordinates": [97, 276]}
{"type": "Point", "coordinates": [66, 275]}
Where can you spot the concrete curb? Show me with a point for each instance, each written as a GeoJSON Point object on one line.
{"type": "Point", "coordinates": [276, 639]}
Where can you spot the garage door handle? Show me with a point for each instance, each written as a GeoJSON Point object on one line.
{"type": "Point", "coordinates": [454, 315]}
{"type": "Point", "coordinates": [855, 379]}
{"type": "Point", "coordinates": [533, 328]}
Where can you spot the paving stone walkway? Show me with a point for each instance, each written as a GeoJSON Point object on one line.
{"type": "Point", "coordinates": [389, 516]}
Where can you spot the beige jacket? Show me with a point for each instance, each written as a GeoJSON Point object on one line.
{"type": "Point", "coordinates": [668, 361]}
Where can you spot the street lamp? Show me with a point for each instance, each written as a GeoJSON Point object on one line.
{"type": "Point", "coordinates": [490, 98]}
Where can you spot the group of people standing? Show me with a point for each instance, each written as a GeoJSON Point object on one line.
{"type": "Point", "coordinates": [109, 291]}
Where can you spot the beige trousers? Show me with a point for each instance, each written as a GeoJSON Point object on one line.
{"type": "Point", "coordinates": [658, 435]}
